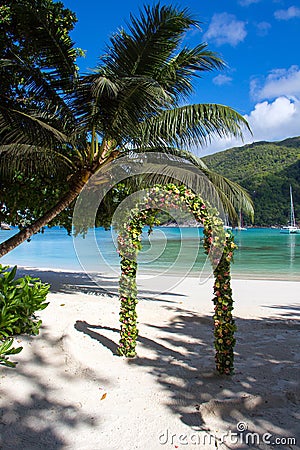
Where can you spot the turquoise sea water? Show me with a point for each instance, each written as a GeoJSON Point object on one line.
{"type": "Point", "coordinates": [262, 253]}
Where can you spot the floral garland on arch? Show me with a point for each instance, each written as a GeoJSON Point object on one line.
{"type": "Point", "coordinates": [217, 243]}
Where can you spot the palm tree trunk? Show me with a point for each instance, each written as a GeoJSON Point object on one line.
{"type": "Point", "coordinates": [77, 185]}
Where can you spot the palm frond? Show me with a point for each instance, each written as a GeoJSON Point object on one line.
{"type": "Point", "coordinates": [102, 86]}
{"type": "Point", "coordinates": [170, 164]}
{"type": "Point", "coordinates": [30, 159]}
{"type": "Point", "coordinates": [150, 42]}
{"type": "Point", "coordinates": [192, 125]}
{"type": "Point", "coordinates": [117, 106]}
{"type": "Point", "coordinates": [40, 27]}
{"type": "Point", "coordinates": [177, 73]}
{"type": "Point", "coordinates": [38, 90]}
{"type": "Point", "coordinates": [18, 127]}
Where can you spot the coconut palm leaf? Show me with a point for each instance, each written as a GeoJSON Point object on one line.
{"type": "Point", "coordinates": [177, 165]}
{"type": "Point", "coordinates": [31, 159]}
{"type": "Point", "coordinates": [152, 39]}
{"type": "Point", "coordinates": [40, 28]}
{"type": "Point", "coordinates": [116, 113]}
{"type": "Point", "coordinates": [176, 74]}
{"type": "Point", "coordinates": [38, 87]}
{"type": "Point", "coordinates": [18, 127]}
{"type": "Point", "coordinates": [191, 125]}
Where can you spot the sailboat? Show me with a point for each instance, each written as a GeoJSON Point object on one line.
{"type": "Point", "coordinates": [227, 226]}
{"type": "Point", "coordinates": [240, 226]}
{"type": "Point", "coordinates": [292, 227]}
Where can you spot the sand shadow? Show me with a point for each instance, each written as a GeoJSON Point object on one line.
{"type": "Point", "coordinates": [34, 419]}
{"type": "Point", "coordinates": [181, 359]}
{"type": "Point", "coordinates": [78, 282]}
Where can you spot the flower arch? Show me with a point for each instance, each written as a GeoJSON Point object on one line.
{"type": "Point", "coordinates": [218, 244]}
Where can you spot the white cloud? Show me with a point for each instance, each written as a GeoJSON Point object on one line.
{"type": "Point", "coordinates": [269, 121]}
{"type": "Point", "coordinates": [286, 14]}
{"type": "Point", "coordinates": [278, 82]}
{"type": "Point", "coordinates": [275, 120]}
{"type": "Point", "coordinates": [263, 28]}
{"type": "Point", "coordinates": [248, 2]}
{"type": "Point", "coordinates": [221, 80]}
{"type": "Point", "coordinates": [226, 29]}
{"type": "Point", "coordinates": [276, 114]}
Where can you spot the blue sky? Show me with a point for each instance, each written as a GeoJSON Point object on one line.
{"type": "Point", "coordinates": [258, 39]}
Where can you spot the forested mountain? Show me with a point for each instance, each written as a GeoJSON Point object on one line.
{"type": "Point", "coordinates": [266, 170]}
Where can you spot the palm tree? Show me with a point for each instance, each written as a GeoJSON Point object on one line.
{"type": "Point", "coordinates": [133, 101]}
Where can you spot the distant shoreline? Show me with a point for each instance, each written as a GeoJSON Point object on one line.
{"type": "Point", "coordinates": [262, 254]}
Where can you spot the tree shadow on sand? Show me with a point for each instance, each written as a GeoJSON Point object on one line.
{"type": "Point", "coordinates": [264, 393]}
{"type": "Point", "coordinates": [33, 416]}
{"type": "Point", "coordinates": [78, 282]}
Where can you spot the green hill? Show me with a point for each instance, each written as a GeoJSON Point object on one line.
{"type": "Point", "coordinates": [266, 170]}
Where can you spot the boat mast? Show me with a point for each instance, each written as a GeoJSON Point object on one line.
{"type": "Point", "coordinates": [293, 221]}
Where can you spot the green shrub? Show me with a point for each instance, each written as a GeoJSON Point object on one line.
{"type": "Point", "coordinates": [6, 349]}
{"type": "Point", "coordinates": [19, 300]}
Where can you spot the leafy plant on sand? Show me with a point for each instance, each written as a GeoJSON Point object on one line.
{"type": "Point", "coordinates": [6, 350]}
{"type": "Point", "coordinates": [218, 244]}
{"type": "Point", "coordinates": [19, 300]}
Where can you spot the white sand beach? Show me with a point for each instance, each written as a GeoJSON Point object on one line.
{"type": "Point", "coordinates": [71, 391]}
